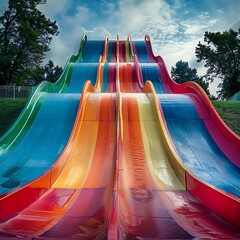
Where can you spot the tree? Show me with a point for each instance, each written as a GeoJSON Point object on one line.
{"type": "Point", "coordinates": [221, 53]}
{"type": "Point", "coordinates": [183, 73]}
{"type": "Point", "coordinates": [25, 36]}
{"type": "Point", "coordinates": [49, 72]}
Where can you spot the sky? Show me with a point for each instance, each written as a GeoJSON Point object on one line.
{"type": "Point", "coordinates": [175, 26]}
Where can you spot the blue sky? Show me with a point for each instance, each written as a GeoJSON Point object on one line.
{"type": "Point", "coordinates": [174, 26]}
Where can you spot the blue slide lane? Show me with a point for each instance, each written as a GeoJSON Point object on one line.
{"type": "Point", "coordinates": [80, 74]}
{"type": "Point", "coordinates": [142, 53]}
{"type": "Point", "coordinates": [92, 51]}
{"type": "Point", "coordinates": [197, 149]}
{"type": "Point", "coordinates": [43, 143]}
{"type": "Point", "coordinates": [150, 72]}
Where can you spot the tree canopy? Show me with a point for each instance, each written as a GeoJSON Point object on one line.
{"type": "Point", "coordinates": [48, 72]}
{"type": "Point", "coordinates": [25, 36]}
{"type": "Point", "coordinates": [221, 53]}
{"type": "Point", "coordinates": [182, 73]}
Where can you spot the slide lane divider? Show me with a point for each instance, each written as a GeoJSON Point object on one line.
{"type": "Point", "coordinates": [113, 227]}
{"type": "Point", "coordinates": [106, 50]}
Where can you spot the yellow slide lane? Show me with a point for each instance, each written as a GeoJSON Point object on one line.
{"type": "Point", "coordinates": [156, 156]}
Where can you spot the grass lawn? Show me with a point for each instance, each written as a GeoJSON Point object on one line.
{"type": "Point", "coordinates": [230, 113]}
{"type": "Point", "coordinates": [9, 111]}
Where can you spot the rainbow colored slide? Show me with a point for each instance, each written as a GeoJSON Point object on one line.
{"type": "Point", "coordinates": [115, 149]}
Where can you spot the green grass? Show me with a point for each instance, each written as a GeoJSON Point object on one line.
{"type": "Point", "coordinates": [10, 109]}
{"type": "Point", "coordinates": [229, 111]}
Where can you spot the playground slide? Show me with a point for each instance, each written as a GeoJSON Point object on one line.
{"type": "Point", "coordinates": [108, 83]}
{"type": "Point", "coordinates": [92, 174]}
{"type": "Point", "coordinates": [141, 210]}
{"type": "Point", "coordinates": [196, 146]}
{"type": "Point", "coordinates": [29, 113]}
{"type": "Point", "coordinates": [128, 78]}
{"type": "Point", "coordinates": [135, 188]}
{"type": "Point", "coordinates": [93, 50]}
{"type": "Point", "coordinates": [112, 47]}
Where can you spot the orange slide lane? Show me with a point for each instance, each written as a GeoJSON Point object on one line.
{"type": "Point", "coordinates": [128, 78]}
{"type": "Point", "coordinates": [88, 216]}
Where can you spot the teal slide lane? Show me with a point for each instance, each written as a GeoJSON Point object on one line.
{"type": "Point", "coordinates": [43, 143]}
{"type": "Point", "coordinates": [196, 147]}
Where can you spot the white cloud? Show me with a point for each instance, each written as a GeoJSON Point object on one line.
{"type": "Point", "coordinates": [173, 35]}
{"type": "Point", "coordinates": [194, 28]}
{"type": "Point", "coordinates": [175, 51]}
{"type": "Point", "coordinates": [54, 7]}
{"type": "Point", "coordinates": [140, 17]}
{"type": "Point", "coordinates": [147, 17]}
{"type": "Point", "coordinates": [108, 8]}
{"type": "Point", "coordinates": [97, 33]}
{"type": "Point", "coordinates": [72, 27]}
{"type": "Point", "coordinates": [213, 22]}
{"type": "Point", "coordinates": [82, 16]}
{"type": "Point", "coordinates": [204, 15]}
{"type": "Point", "coordinates": [60, 51]}
{"type": "Point", "coordinates": [177, 4]}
